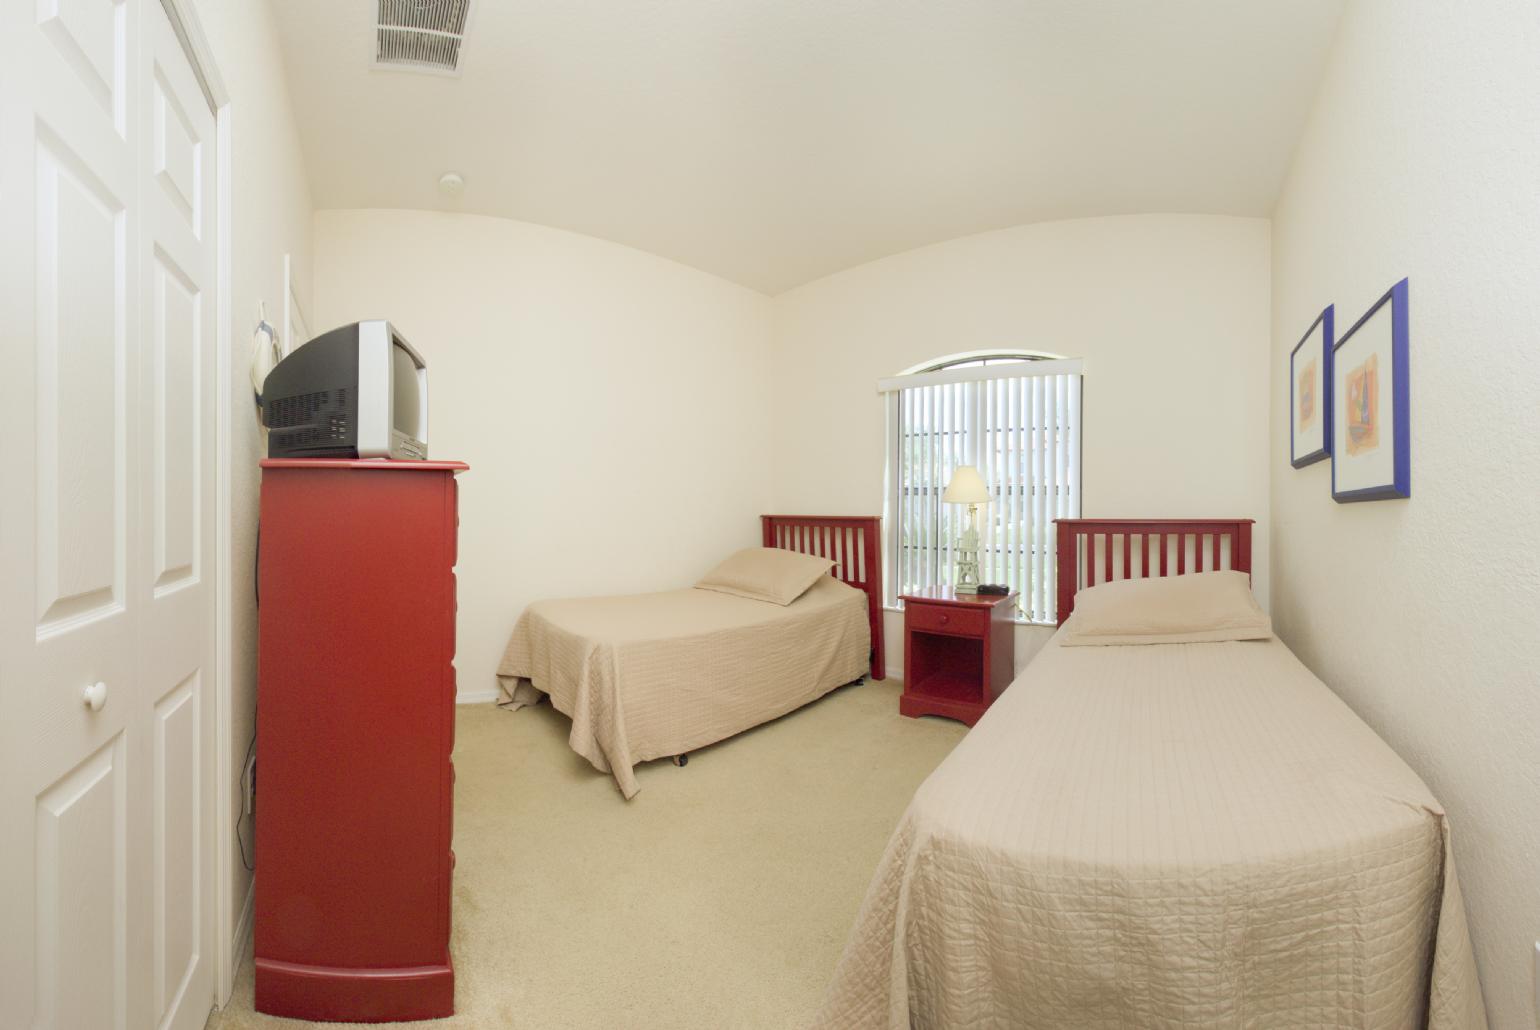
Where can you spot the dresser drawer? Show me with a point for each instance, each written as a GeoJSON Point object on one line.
{"type": "Point", "coordinates": [936, 618]}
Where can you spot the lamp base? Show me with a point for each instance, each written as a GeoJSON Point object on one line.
{"type": "Point", "coordinates": [967, 578]}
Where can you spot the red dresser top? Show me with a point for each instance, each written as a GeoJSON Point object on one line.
{"type": "Point", "coordinates": [384, 464]}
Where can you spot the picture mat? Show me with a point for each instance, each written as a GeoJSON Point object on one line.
{"type": "Point", "coordinates": [1375, 467]}
{"type": "Point", "coordinates": [1312, 438]}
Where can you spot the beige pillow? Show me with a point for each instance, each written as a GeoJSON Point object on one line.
{"type": "Point", "coordinates": [766, 574]}
{"type": "Point", "coordinates": [1204, 606]}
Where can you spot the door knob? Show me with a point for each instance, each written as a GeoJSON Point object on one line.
{"type": "Point", "coordinates": [96, 696]}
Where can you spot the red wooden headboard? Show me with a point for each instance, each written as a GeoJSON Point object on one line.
{"type": "Point", "coordinates": [853, 543]}
{"type": "Point", "coordinates": [1150, 547]}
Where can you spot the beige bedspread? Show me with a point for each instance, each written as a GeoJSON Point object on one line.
{"type": "Point", "coordinates": [1180, 835]}
{"type": "Point", "coordinates": [651, 675]}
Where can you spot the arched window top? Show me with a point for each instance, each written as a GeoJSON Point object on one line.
{"type": "Point", "coordinates": [980, 359]}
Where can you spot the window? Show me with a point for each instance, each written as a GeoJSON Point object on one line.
{"type": "Point", "coordinates": [1016, 417]}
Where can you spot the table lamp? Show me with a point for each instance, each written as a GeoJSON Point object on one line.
{"type": "Point", "coordinates": [967, 487]}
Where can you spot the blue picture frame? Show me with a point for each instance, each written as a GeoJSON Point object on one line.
{"type": "Point", "coordinates": [1325, 321]}
{"type": "Point", "coordinates": [1400, 421]}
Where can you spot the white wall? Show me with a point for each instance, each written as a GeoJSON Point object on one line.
{"type": "Point", "coordinates": [1420, 160]}
{"type": "Point", "coordinates": [1170, 312]}
{"type": "Point", "coordinates": [611, 404]}
{"type": "Point", "coordinates": [270, 217]}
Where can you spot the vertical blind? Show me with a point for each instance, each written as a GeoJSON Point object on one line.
{"type": "Point", "coordinates": [1019, 424]}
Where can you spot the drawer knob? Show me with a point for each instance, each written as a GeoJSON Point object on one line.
{"type": "Point", "coordinates": [945, 618]}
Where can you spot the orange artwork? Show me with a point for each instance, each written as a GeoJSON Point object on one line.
{"type": "Point", "coordinates": [1363, 406]}
{"type": "Point", "coordinates": [1307, 396]}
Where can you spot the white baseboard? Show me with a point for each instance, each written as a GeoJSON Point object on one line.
{"type": "Point", "coordinates": [242, 937]}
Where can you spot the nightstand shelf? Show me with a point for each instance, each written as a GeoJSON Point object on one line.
{"type": "Point", "coordinates": [959, 653]}
{"type": "Point", "coordinates": [948, 686]}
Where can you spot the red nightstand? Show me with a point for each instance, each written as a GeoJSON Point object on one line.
{"type": "Point", "coordinates": [959, 652]}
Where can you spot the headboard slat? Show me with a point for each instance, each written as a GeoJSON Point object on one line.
{"type": "Point", "coordinates": [851, 542]}
{"type": "Point", "coordinates": [1077, 543]}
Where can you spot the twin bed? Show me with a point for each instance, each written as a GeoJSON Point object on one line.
{"type": "Point", "coordinates": [1175, 835]}
{"type": "Point", "coordinates": [648, 676]}
{"type": "Point", "coordinates": [1162, 834]}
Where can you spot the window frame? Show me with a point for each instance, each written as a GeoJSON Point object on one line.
{"type": "Point", "coordinates": [894, 502]}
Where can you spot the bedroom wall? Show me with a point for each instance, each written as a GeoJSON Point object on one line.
{"type": "Point", "coordinates": [1419, 160]}
{"type": "Point", "coordinates": [270, 217]}
{"type": "Point", "coordinates": [607, 400]}
{"type": "Point", "coordinates": [1170, 312]}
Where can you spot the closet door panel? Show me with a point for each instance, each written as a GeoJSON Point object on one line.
{"type": "Point", "coordinates": [91, 41]}
{"type": "Point", "coordinates": [81, 342]}
{"type": "Point", "coordinates": [176, 422]}
{"type": "Point", "coordinates": [81, 891]}
{"type": "Point", "coordinates": [177, 934]}
{"type": "Point", "coordinates": [176, 344]}
{"type": "Point", "coordinates": [73, 803]}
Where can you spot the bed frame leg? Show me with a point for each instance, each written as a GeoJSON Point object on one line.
{"type": "Point", "coordinates": [680, 760]}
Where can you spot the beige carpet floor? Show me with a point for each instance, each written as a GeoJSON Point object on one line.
{"type": "Point", "coordinates": [720, 897]}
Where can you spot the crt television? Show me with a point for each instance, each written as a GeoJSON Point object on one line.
{"type": "Point", "coordinates": [359, 391]}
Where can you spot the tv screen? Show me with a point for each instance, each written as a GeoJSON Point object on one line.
{"type": "Point", "coordinates": [407, 399]}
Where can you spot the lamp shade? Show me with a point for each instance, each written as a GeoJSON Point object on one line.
{"type": "Point", "coordinates": [966, 487]}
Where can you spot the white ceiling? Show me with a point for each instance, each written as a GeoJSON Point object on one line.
{"type": "Point", "coordinates": [776, 141]}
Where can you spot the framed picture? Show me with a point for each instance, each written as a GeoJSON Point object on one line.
{"type": "Point", "coordinates": [1371, 449]}
{"type": "Point", "coordinates": [1310, 393]}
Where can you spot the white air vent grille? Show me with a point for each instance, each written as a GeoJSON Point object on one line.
{"type": "Point", "coordinates": [421, 34]}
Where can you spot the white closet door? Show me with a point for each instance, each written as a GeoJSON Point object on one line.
{"type": "Point", "coordinates": [175, 408]}
{"type": "Point", "coordinates": [105, 874]}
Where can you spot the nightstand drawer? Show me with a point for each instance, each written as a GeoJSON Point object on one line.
{"type": "Point", "coordinates": [935, 618]}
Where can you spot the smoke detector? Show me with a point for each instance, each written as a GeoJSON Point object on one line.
{"type": "Point", "coordinates": [421, 35]}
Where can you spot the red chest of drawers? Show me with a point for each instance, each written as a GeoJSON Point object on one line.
{"type": "Point", "coordinates": [355, 724]}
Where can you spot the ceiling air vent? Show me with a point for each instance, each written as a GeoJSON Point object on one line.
{"type": "Point", "coordinates": [421, 35]}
